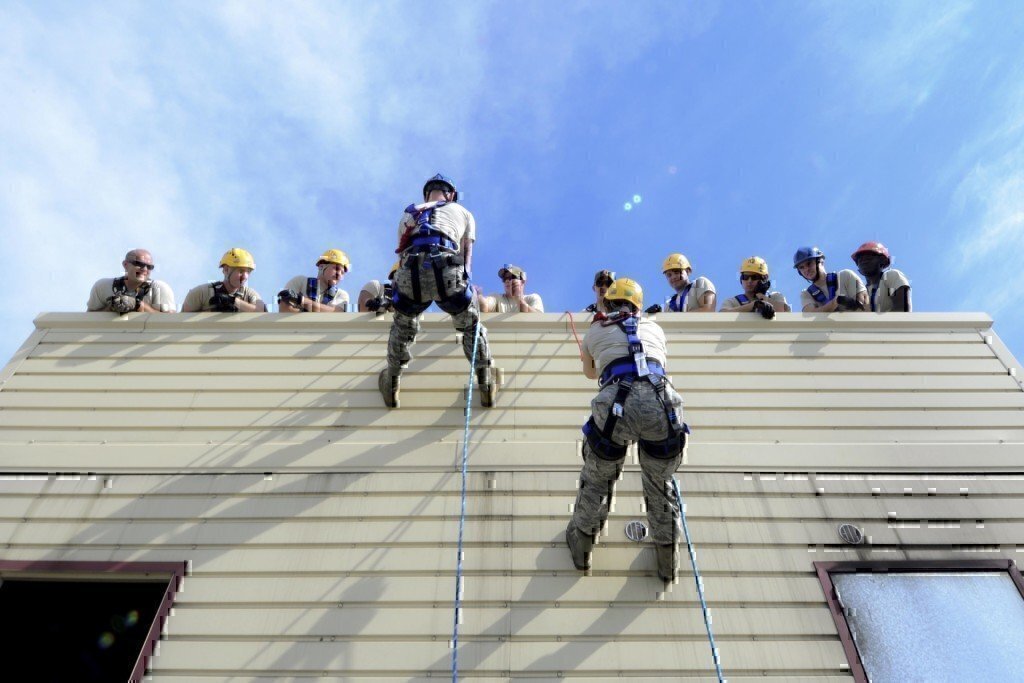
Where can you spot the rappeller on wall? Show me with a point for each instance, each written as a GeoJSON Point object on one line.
{"type": "Point", "coordinates": [435, 243]}
{"type": "Point", "coordinates": [635, 403]}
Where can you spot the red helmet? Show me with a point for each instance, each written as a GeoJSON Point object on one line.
{"type": "Point", "coordinates": [874, 248]}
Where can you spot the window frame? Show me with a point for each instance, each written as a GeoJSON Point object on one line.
{"type": "Point", "coordinates": [825, 570]}
{"type": "Point", "coordinates": [58, 570]}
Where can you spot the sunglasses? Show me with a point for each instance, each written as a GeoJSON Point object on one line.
{"type": "Point", "coordinates": [749, 276]}
{"type": "Point", "coordinates": [603, 283]}
{"type": "Point", "coordinates": [140, 264]}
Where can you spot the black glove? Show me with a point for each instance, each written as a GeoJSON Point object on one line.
{"type": "Point", "coordinates": [223, 302]}
{"type": "Point", "coordinates": [380, 305]}
{"type": "Point", "coordinates": [287, 296]}
{"type": "Point", "coordinates": [651, 310]}
{"type": "Point", "coordinates": [848, 303]}
{"type": "Point", "coordinates": [766, 310]}
{"type": "Point", "coordinates": [123, 303]}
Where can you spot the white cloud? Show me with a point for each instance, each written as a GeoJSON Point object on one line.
{"type": "Point", "coordinates": [281, 127]}
{"type": "Point", "coordinates": [893, 53]}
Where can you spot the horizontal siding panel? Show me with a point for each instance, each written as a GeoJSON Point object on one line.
{"type": "Point", "coordinates": [628, 621]}
{"type": "Point", "coordinates": [577, 659]}
{"type": "Point", "coordinates": [556, 484]}
{"type": "Point", "coordinates": [541, 364]}
{"type": "Point", "coordinates": [571, 381]}
{"type": "Point", "coordinates": [301, 533]}
{"type": "Point", "coordinates": [896, 402]}
{"type": "Point", "coordinates": [565, 588]}
{"type": "Point", "coordinates": [501, 347]}
{"type": "Point", "coordinates": [453, 418]}
{"type": "Point", "coordinates": [335, 451]}
{"type": "Point", "coordinates": [727, 560]}
{"type": "Point", "coordinates": [355, 509]}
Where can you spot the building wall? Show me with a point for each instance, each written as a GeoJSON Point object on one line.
{"type": "Point", "coordinates": [321, 528]}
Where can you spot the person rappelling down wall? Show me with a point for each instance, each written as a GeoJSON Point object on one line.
{"type": "Point", "coordinates": [636, 402]}
{"type": "Point", "coordinates": [435, 244]}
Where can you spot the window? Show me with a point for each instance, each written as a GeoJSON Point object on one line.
{"type": "Point", "coordinates": [928, 621]}
{"type": "Point", "coordinates": [83, 621]}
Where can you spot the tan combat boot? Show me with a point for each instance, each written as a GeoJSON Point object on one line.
{"type": "Point", "coordinates": [668, 561]}
{"type": "Point", "coordinates": [487, 385]}
{"type": "Point", "coordinates": [581, 547]}
{"type": "Point", "coordinates": [388, 386]}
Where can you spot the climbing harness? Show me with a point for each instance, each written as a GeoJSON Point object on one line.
{"type": "Point", "coordinates": [462, 511]}
{"type": "Point", "coordinates": [120, 286]}
{"type": "Point", "coordinates": [677, 302]}
{"type": "Point", "coordinates": [625, 371]}
{"type": "Point", "coordinates": [698, 580]}
{"type": "Point", "coordinates": [832, 282]}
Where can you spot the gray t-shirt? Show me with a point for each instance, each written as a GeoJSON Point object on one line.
{"type": "Point", "coordinates": [605, 344]}
{"type": "Point", "coordinates": [159, 295]}
{"type": "Point", "coordinates": [452, 220]}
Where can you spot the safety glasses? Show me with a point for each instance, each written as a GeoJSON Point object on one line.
{"type": "Point", "coordinates": [603, 283]}
{"type": "Point", "coordinates": [749, 276]}
{"type": "Point", "coordinates": [140, 264]}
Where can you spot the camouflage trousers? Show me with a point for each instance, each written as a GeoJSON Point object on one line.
{"type": "Point", "coordinates": [457, 302]}
{"type": "Point", "coordinates": [643, 417]}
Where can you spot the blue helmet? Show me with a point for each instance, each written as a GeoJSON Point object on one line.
{"type": "Point", "coordinates": [806, 254]}
{"type": "Point", "coordinates": [441, 179]}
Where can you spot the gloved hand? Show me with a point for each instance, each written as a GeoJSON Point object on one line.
{"type": "Point", "coordinates": [765, 308]}
{"type": "Point", "coordinates": [848, 303]}
{"type": "Point", "coordinates": [651, 310]}
{"type": "Point", "coordinates": [123, 303]}
{"type": "Point", "coordinates": [287, 296]}
{"type": "Point", "coordinates": [224, 302]}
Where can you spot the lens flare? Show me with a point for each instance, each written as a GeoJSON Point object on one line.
{"type": "Point", "coordinates": [106, 641]}
{"type": "Point", "coordinates": [627, 207]}
{"type": "Point", "coordinates": [132, 618]}
{"type": "Point", "coordinates": [637, 199]}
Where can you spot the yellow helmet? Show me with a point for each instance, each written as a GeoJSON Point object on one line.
{"type": "Point", "coordinates": [675, 262]}
{"type": "Point", "coordinates": [626, 289]}
{"type": "Point", "coordinates": [394, 268]}
{"type": "Point", "coordinates": [335, 256]}
{"type": "Point", "coordinates": [755, 264]}
{"type": "Point", "coordinates": [238, 258]}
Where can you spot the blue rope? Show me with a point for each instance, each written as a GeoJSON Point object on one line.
{"type": "Point", "coordinates": [462, 514]}
{"type": "Point", "coordinates": [698, 580]}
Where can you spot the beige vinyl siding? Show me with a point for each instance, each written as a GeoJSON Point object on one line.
{"type": "Point", "coordinates": [321, 529]}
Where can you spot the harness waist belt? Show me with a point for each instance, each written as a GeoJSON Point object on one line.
{"type": "Point", "coordinates": [625, 367]}
{"type": "Point", "coordinates": [432, 239]}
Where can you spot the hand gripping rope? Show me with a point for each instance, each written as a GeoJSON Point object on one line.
{"type": "Point", "coordinates": [698, 580]}
{"type": "Point", "coordinates": [462, 513]}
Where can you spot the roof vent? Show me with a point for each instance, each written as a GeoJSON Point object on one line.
{"type": "Point", "coordinates": [636, 531]}
{"type": "Point", "coordinates": [851, 534]}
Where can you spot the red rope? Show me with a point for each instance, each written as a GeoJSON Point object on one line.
{"type": "Point", "coordinates": [573, 326]}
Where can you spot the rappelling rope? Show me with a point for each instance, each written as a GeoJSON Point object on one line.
{"type": "Point", "coordinates": [573, 326]}
{"type": "Point", "coordinates": [698, 580]}
{"type": "Point", "coordinates": [462, 512]}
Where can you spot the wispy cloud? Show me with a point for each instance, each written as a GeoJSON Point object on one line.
{"type": "Point", "coordinates": [892, 54]}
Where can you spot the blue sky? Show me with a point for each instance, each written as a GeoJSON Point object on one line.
{"type": "Point", "coordinates": [287, 128]}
